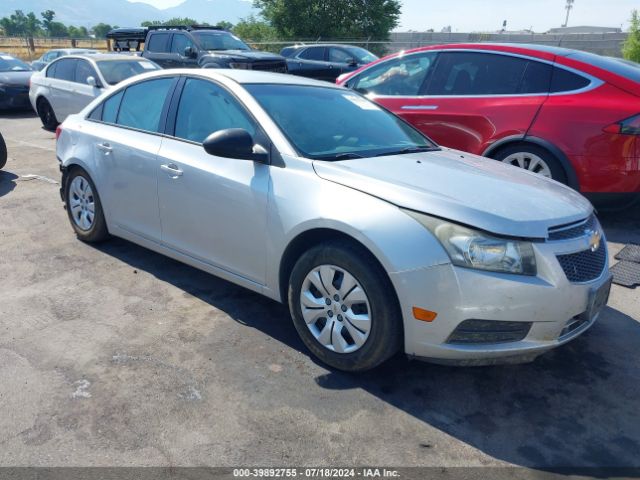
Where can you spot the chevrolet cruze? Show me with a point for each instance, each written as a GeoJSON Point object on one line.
{"type": "Point", "coordinates": [310, 194]}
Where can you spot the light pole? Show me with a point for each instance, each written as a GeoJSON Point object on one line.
{"type": "Point", "coordinates": [568, 7]}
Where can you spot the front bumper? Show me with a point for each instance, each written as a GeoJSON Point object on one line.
{"type": "Point", "coordinates": [548, 301]}
{"type": "Point", "coordinates": [14, 98]}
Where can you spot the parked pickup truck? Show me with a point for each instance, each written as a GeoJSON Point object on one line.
{"type": "Point", "coordinates": [194, 47]}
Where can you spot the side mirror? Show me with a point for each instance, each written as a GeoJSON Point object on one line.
{"type": "Point", "coordinates": [190, 52]}
{"type": "Point", "coordinates": [234, 143]}
{"type": "Point", "coordinates": [92, 81]}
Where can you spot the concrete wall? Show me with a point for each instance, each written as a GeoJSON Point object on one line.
{"type": "Point", "coordinates": [601, 43]}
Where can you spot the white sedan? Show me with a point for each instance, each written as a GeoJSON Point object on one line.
{"type": "Point", "coordinates": [70, 83]}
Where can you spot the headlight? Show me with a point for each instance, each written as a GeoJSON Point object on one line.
{"type": "Point", "coordinates": [475, 249]}
{"type": "Point", "coordinates": [240, 65]}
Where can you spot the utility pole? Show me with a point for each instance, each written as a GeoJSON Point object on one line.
{"type": "Point", "coordinates": [568, 7]}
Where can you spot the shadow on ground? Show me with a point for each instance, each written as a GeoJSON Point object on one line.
{"type": "Point", "coordinates": [574, 407]}
{"type": "Point", "coordinates": [7, 182]}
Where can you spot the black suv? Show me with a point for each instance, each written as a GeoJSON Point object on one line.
{"type": "Point", "coordinates": [325, 61]}
{"type": "Point", "coordinates": [194, 47]}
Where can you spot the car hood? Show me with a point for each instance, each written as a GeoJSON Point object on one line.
{"type": "Point", "coordinates": [463, 188]}
{"type": "Point", "coordinates": [249, 54]}
{"type": "Point", "coordinates": [16, 78]}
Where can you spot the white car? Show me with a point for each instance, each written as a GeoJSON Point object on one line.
{"type": "Point", "coordinates": [70, 83]}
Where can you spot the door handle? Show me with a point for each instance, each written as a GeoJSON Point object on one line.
{"type": "Point", "coordinates": [172, 169]}
{"type": "Point", "coordinates": [419, 107]}
{"type": "Point", "coordinates": [105, 147]}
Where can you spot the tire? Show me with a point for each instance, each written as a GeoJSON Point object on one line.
{"type": "Point", "coordinates": [47, 115]}
{"type": "Point", "coordinates": [377, 342]}
{"type": "Point", "coordinates": [81, 198]}
{"type": "Point", "coordinates": [532, 158]}
{"type": "Point", "coordinates": [3, 152]}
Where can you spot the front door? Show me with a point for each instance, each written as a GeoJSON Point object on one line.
{"type": "Point", "coordinates": [213, 209]}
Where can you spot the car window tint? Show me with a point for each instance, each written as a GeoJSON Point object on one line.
{"type": "Point", "coordinates": [536, 79]}
{"type": "Point", "coordinates": [206, 108]}
{"type": "Point", "coordinates": [142, 104]}
{"type": "Point", "coordinates": [110, 108]}
{"type": "Point", "coordinates": [338, 55]}
{"type": "Point", "coordinates": [402, 75]}
{"type": "Point", "coordinates": [464, 73]}
{"type": "Point", "coordinates": [313, 53]}
{"type": "Point", "coordinates": [66, 69]}
{"type": "Point", "coordinates": [179, 43]}
{"type": "Point", "coordinates": [158, 42]}
{"type": "Point", "coordinates": [564, 81]}
{"type": "Point", "coordinates": [84, 70]}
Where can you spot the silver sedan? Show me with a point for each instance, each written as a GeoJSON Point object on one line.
{"type": "Point", "coordinates": [378, 239]}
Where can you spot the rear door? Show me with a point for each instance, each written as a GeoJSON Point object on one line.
{"type": "Point", "coordinates": [62, 87]}
{"type": "Point", "coordinates": [126, 146]}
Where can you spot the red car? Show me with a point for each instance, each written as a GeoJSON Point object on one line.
{"type": "Point", "coordinates": [565, 114]}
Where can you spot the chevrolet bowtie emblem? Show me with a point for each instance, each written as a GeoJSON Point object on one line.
{"type": "Point", "coordinates": [594, 239]}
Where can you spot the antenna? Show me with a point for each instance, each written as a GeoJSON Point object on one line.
{"type": "Point", "coordinates": [568, 7]}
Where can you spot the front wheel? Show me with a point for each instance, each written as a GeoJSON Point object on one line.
{"type": "Point", "coordinates": [344, 307]}
{"type": "Point", "coordinates": [84, 207]}
{"type": "Point", "coordinates": [533, 158]}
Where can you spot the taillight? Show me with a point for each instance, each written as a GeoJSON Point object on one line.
{"type": "Point", "coordinates": [629, 126]}
{"type": "Point", "coordinates": [58, 131]}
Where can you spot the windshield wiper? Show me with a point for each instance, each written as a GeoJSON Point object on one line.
{"type": "Point", "coordinates": [341, 156]}
{"type": "Point", "coordinates": [407, 150]}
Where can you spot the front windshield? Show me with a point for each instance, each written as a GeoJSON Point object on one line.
{"type": "Point", "coordinates": [115, 71]}
{"type": "Point", "coordinates": [361, 55]}
{"type": "Point", "coordinates": [10, 64]}
{"type": "Point", "coordinates": [334, 124]}
{"type": "Point", "coordinates": [219, 41]}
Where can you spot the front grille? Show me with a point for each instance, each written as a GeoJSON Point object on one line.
{"type": "Point", "coordinates": [489, 331]}
{"type": "Point", "coordinates": [584, 266]}
{"type": "Point", "coordinates": [278, 66]}
{"type": "Point", "coordinates": [568, 232]}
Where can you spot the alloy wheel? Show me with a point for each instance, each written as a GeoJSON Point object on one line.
{"type": "Point", "coordinates": [529, 161]}
{"type": "Point", "coordinates": [82, 203]}
{"type": "Point", "coordinates": [335, 308]}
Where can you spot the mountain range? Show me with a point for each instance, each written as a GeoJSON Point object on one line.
{"type": "Point", "coordinates": [129, 14]}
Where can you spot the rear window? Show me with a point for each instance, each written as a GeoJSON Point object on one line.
{"type": "Point", "coordinates": [158, 42]}
{"type": "Point", "coordinates": [613, 65]}
{"type": "Point", "coordinates": [565, 81]}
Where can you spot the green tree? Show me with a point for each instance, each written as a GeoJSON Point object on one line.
{"type": "Point", "coordinates": [631, 47]}
{"type": "Point", "coordinates": [251, 28]}
{"type": "Point", "coordinates": [100, 30]}
{"type": "Point", "coordinates": [331, 18]}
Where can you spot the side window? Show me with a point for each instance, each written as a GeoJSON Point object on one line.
{"type": "Point", "coordinates": [179, 43]}
{"type": "Point", "coordinates": [206, 108]}
{"type": "Point", "coordinates": [565, 81]}
{"type": "Point", "coordinates": [110, 108]}
{"type": "Point", "coordinates": [313, 53]}
{"type": "Point", "coordinates": [84, 70]}
{"type": "Point", "coordinates": [51, 70]}
{"type": "Point", "coordinates": [536, 79]}
{"type": "Point", "coordinates": [404, 75]}
{"type": "Point", "coordinates": [337, 55]}
{"type": "Point", "coordinates": [158, 42]}
{"type": "Point", "coordinates": [142, 104]}
{"type": "Point", "coordinates": [66, 69]}
{"type": "Point", "coordinates": [463, 73]}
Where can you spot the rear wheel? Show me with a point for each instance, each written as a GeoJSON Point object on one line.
{"type": "Point", "coordinates": [84, 207]}
{"type": "Point", "coordinates": [47, 115]}
{"type": "Point", "coordinates": [533, 158]}
{"type": "Point", "coordinates": [344, 308]}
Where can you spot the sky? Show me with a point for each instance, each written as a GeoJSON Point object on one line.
{"type": "Point", "coordinates": [488, 15]}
